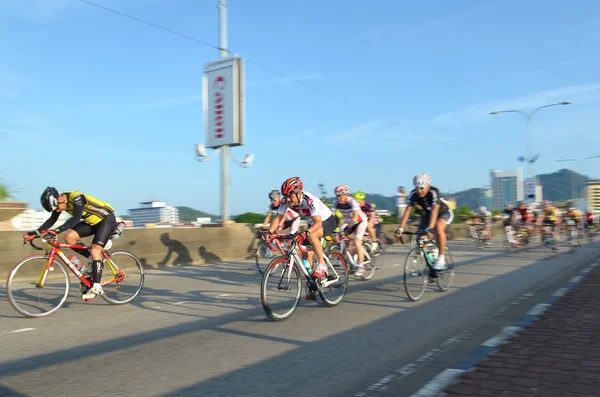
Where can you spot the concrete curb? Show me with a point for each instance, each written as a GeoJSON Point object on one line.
{"type": "Point", "coordinates": [448, 376]}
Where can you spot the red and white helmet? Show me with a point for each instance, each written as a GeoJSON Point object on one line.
{"type": "Point", "coordinates": [421, 181]}
{"type": "Point", "coordinates": [342, 189]}
{"type": "Point", "coordinates": [292, 185]}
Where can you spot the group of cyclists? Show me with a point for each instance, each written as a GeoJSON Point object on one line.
{"type": "Point", "coordinates": [351, 215]}
{"type": "Point", "coordinates": [532, 218]}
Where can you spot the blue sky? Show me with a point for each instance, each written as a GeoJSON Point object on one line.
{"type": "Point", "coordinates": [96, 102]}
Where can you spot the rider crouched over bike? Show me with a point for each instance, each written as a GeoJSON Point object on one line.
{"type": "Point", "coordinates": [89, 216]}
{"type": "Point", "coordinates": [320, 219]}
{"type": "Point", "coordinates": [437, 215]}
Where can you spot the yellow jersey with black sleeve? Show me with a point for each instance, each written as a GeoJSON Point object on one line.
{"type": "Point", "coordinates": [94, 210]}
{"type": "Point", "coordinates": [549, 213]}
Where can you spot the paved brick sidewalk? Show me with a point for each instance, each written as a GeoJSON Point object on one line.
{"type": "Point", "coordinates": [556, 355]}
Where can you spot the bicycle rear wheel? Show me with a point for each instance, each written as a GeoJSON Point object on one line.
{"type": "Point", "coordinates": [445, 279]}
{"type": "Point", "coordinates": [122, 287]}
{"type": "Point", "coordinates": [332, 290]}
{"type": "Point", "coordinates": [416, 275]}
{"type": "Point", "coordinates": [31, 296]}
{"type": "Point", "coordinates": [280, 283]}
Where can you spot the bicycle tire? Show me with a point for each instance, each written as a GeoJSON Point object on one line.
{"type": "Point", "coordinates": [270, 270]}
{"type": "Point", "coordinates": [343, 284]}
{"type": "Point", "coordinates": [138, 289]}
{"type": "Point", "coordinates": [9, 287]}
{"type": "Point", "coordinates": [262, 260]}
{"type": "Point", "coordinates": [409, 273]}
{"type": "Point", "coordinates": [447, 274]}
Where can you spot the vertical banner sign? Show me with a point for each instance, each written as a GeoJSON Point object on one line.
{"type": "Point", "coordinates": [223, 102]}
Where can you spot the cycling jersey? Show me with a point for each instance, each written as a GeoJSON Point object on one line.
{"type": "Point", "coordinates": [289, 215]}
{"type": "Point", "coordinates": [347, 209]}
{"type": "Point", "coordinates": [549, 213]}
{"type": "Point", "coordinates": [309, 206]}
{"type": "Point", "coordinates": [508, 214]}
{"type": "Point", "coordinates": [432, 198]}
{"type": "Point", "coordinates": [94, 210]}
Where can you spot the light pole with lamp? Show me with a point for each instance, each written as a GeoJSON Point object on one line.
{"type": "Point", "coordinates": [530, 159]}
{"type": "Point", "coordinates": [223, 149]}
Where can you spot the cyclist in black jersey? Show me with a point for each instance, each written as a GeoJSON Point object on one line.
{"type": "Point", "coordinates": [437, 215]}
{"type": "Point", "coordinates": [90, 216]}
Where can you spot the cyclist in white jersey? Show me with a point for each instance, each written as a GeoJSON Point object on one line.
{"type": "Point", "coordinates": [355, 221]}
{"type": "Point", "coordinates": [321, 221]}
{"type": "Point", "coordinates": [291, 219]}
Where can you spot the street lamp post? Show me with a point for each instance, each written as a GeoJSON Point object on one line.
{"type": "Point", "coordinates": [224, 150]}
{"type": "Point", "coordinates": [530, 159]}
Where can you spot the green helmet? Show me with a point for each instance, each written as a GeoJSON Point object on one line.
{"type": "Point", "coordinates": [360, 196]}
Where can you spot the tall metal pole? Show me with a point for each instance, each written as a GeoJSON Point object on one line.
{"type": "Point", "coordinates": [225, 148]}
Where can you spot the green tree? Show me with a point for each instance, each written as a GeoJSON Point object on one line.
{"type": "Point", "coordinates": [250, 217]}
{"type": "Point", "coordinates": [462, 213]}
{"type": "Point", "coordinates": [496, 212]}
{"type": "Point", "coordinates": [4, 192]}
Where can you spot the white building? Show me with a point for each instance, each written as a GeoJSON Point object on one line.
{"type": "Point", "coordinates": [533, 191]}
{"type": "Point", "coordinates": [154, 212]}
{"type": "Point", "coordinates": [507, 187]}
{"type": "Point", "coordinates": [30, 219]}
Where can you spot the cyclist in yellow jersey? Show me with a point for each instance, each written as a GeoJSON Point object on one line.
{"type": "Point", "coordinates": [90, 216]}
{"type": "Point", "coordinates": [548, 217]}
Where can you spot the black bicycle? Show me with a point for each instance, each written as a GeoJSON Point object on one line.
{"type": "Point", "coordinates": [418, 270]}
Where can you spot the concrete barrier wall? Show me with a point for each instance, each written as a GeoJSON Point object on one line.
{"type": "Point", "coordinates": [162, 247]}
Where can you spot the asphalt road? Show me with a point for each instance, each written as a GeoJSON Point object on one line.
{"type": "Point", "coordinates": [201, 331]}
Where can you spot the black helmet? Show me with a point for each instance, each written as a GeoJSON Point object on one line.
{"type": "Point", "coordinates": [49, 199]}
{"type": "Point", "coordinates": [274, 194]}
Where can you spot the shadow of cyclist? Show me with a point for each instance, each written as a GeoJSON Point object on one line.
{"type": "Point", "coordinates": [183, 254]}
{"type": "Point", "coordinates": [209, 257]}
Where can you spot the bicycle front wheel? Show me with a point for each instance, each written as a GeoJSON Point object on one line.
{"type": "Point", "coordinates": [416, 275]}
{"type": "Point", "coordinates": [280, 288]}
{"type": "Point", "coordinates": [126, 278]}
{"type": "Point", "coordinates": [263, 256]}
{"type": "Point", "coordinates": [445, 278]}
{"type": "Point", "coordinates": [34, 291]}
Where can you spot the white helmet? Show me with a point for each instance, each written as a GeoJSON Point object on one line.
{"type": "Point", "coordinates": [482, 209]}
{"type": "Point", "coordinates": [421, 180]}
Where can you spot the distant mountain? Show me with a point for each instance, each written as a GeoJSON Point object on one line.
{"type": "Point", "coordinates": [187, 214]}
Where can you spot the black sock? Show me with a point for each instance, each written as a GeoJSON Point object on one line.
{"type": "Point", "coordinates": [97, 267]}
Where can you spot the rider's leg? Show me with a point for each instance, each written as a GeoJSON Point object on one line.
{"type": "Point", "coordinates": [80, 230]}
{"type": "Point", "coordinates": [103, 232]}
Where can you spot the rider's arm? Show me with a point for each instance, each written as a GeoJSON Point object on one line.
{"type": "Point", "coordinates": [267, 219]}
{"type": "Point", "coordinates": [317, 223]}
{"type": "Point", "coordinates": [407, 213]}
{"type": "Point", "coordinates": [276, 222]}
{"type": "Point", "coordinates": [75, 219]}
{"type": "Point", "coordinates": [49, 222]}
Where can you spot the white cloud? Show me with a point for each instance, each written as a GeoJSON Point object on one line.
{"type": "Point", "coordinates": [477, 114]}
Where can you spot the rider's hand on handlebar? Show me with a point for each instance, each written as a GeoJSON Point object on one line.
{"type": "Point", "coordinates": [399, 232]}
{"type": "Point", "coordinates": [429, 232]}
{"type": "Point", "coordinates": [266, 235]}
{"type": "Point", "coordinates": [31, 235]}
{"type": "Point", "coordinates": [49, 234]}
{"type": "Point", "coordinates": [348, 230]}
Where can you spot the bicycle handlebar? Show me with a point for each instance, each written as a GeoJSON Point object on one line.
{"type": "Point", "coordinates": [284, 237]}
{"type": "Point", "coordinates": [37, 247]}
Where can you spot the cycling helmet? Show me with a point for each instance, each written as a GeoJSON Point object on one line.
{"type": "Point", "coordinates": [274, 194]}
{"type": "Point", "coordinates": [482, 209]}
{"type": "Point", "coordinates": [341, 189]}
{"type": "Point", "coordinates": [547, 203]}
{"type": "Point", "coordinates": [421, 181]}
{"type": "Point", "coordinates": [49, 199]}
{"type": "Point", "coordinates": [360, 196]}
{"type": "Point", "coordinates": [292, 185]}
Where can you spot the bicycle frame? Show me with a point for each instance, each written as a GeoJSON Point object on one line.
{"type": "Point", "coordinates": [294, 257]}
{"type": "Point", "coordinates": [420, 241]}
{"type": "Point", "coordinates": [346, 252]}
{"type": "Point", "coordinates": [55, 251]}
